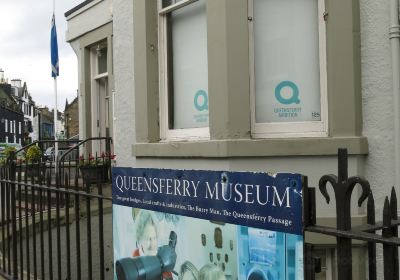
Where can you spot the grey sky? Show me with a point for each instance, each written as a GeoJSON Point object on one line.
{"type": "Point", "coordinates": [25, 48]}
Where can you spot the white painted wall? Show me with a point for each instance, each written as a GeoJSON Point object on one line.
{"type": "Point", "coordinates": [88, 18]}
{"type": "Point", "coordinates": [124, 108]}
{"type": "Point", "coordinates": [378, 123]}
{"type": "Point", "coordinates": [377, 167]}
{"type": "Point", "coordinates": [377, 95]}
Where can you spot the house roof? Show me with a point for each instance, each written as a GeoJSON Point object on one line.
{"type": "Point", "coordinates": [7, 101]}
{"type": "Point", "coordinates": [47, 119]}
{"type": "Point", "coordinates": [4, 95]}
{"type": "Point", "coordinates": [70, 104]}
{"type": "Point", "coordinates": [76, 8]}
{"type": "Point", "coordinates": [21, 91]}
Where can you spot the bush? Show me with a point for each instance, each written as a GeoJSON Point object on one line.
{"type": "Point", "coordinates": [33, 154]}
{"type": "Point", "coordinates": [8, 150]}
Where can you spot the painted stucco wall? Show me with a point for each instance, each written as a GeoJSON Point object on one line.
{"type": "Point", "coordinates": [377, 107]}
{"type": "Point", "coordinates": [124, 123]}
{"type": "Point", "coordinates": [88, 18]}
{"type": "Point", "coordinates": [124, 110]}
{"type": "Point", "coordinates": [377, 95]}
{"type": "Point", "coordinates": [377, 101]}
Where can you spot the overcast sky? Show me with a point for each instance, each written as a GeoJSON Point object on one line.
{"type": "Point", "coordinates": [25, 48]}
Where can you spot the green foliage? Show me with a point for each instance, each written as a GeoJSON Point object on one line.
{"type": "Point", "coordinates": [33, 154]}
{"type": "Point", "coordinates": [8, 150]}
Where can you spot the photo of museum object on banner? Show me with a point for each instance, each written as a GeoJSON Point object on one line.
{"type": "Point", "coordinates": [160, 235]}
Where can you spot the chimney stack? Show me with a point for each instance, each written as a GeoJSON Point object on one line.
{"type": "Point", "coordinates": [16, 83]}
{"type": "Point", "coordinates": [2, 81]}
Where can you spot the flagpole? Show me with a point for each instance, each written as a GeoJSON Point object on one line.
{"type": "Point", "coordinates": [55, 107]}
{"type": "Point", "coordinates": [55, 124]}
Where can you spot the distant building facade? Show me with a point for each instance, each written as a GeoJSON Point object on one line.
{"type": "Point", "coordinates": [71, 119]}
{"type": "Point", "coordinates": [45, 122]}
{"type": "Point", "coordinates": [11, 116]}
{"type": "Point", "coordinates": [23, 98]}
{"type": "Point", "coordinates": [18, 91]}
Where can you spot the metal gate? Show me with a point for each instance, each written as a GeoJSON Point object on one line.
{"type": "Point", "coordinates": [53, 218]}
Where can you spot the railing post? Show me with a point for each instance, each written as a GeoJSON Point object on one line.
{"type": "Point", "coordinates": [309, 204]}
{"type": "Point", "coordinates": [394, 216]}
{"type": "Point", "coordinates": [371, 245]}
{"type": "Point", "coordinates": [309, 265]}
{"type": "Point", "coordinates": [13, 209]}
{"type": "Point", "coordinates": [388, 250]}
{"type": "Point", "coordinates": [343, 187]}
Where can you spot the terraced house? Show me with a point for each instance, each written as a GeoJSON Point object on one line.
{"type": "Point", "coordinates": [247, 85]}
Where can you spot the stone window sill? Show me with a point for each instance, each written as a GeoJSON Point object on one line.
{"type": "Point", "coordinates": [357, 145]}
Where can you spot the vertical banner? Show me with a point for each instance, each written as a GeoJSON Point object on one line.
{"type": "Point", "coordinates": [188, 224]}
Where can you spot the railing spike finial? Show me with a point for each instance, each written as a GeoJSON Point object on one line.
{"type": "Point", "coordinates": [371, 210]}
{"type": "Point", "coordinates": [393, 204]}
{"type": "Point", "coordinates": [387, 219]}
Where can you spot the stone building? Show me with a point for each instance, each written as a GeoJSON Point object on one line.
{"type": "Point", "coordinates": [71, 116]}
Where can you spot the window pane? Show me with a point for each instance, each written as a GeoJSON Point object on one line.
{"type": "Point", "coordinates": [166, 3]}
{"type": "Point", "coordinates": [188, 43]}
{"type": "Point", "coordinates": [102, 61]}
{"type": "Point", "coordinates": [286, 55]}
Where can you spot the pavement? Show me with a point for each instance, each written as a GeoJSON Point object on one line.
{"type": "Point", "coordinates": [84, 261]}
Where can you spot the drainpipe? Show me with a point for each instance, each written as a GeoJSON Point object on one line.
{"type": "Point", "coordinates": [394, 35]}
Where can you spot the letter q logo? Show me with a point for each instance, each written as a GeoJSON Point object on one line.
{"type": "Point", "coordinates": [293, 99]}
{"type": "Point", "coordinates": [201, 100]}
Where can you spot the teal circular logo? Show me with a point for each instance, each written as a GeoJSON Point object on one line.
{"type": "Point", "coordinates": [201, 100]}
{"type": "Point", "coordinates": [294, 98]}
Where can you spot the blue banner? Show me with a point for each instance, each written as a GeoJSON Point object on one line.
{"type": "Point", "coordinates": [251, 199]}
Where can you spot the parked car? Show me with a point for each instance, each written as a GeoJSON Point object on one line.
{"type": "Point", "coordinates": [49, 154]}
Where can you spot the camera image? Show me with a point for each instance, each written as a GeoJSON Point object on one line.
{"type": "Point", "coordinates": [152, 245]}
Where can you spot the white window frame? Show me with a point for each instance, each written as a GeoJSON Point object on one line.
{"type": "Point", "coordinates": [96, 77]}
{"type": "Point", "coordinates": [166, 133]}
{"type": "Point", "coordinates": [292, 129]}
{"type": "Point", "coordinates": [6, 125]}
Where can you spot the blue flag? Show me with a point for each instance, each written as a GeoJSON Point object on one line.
{"type": "Point", "coordinates": [54, 49]}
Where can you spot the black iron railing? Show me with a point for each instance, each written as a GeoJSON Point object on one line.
{"type": "Point", "coordinates": [345, 233]}
{"type": "Point", "coordinates": [52, 220]}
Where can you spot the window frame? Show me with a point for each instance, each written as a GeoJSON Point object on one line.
{"type": "Point", "coordinates": [167, 134]}
{"type": "Point", "coordinates": [96, 79]}
{"type": "Point", "coordinates": [292, 129]}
